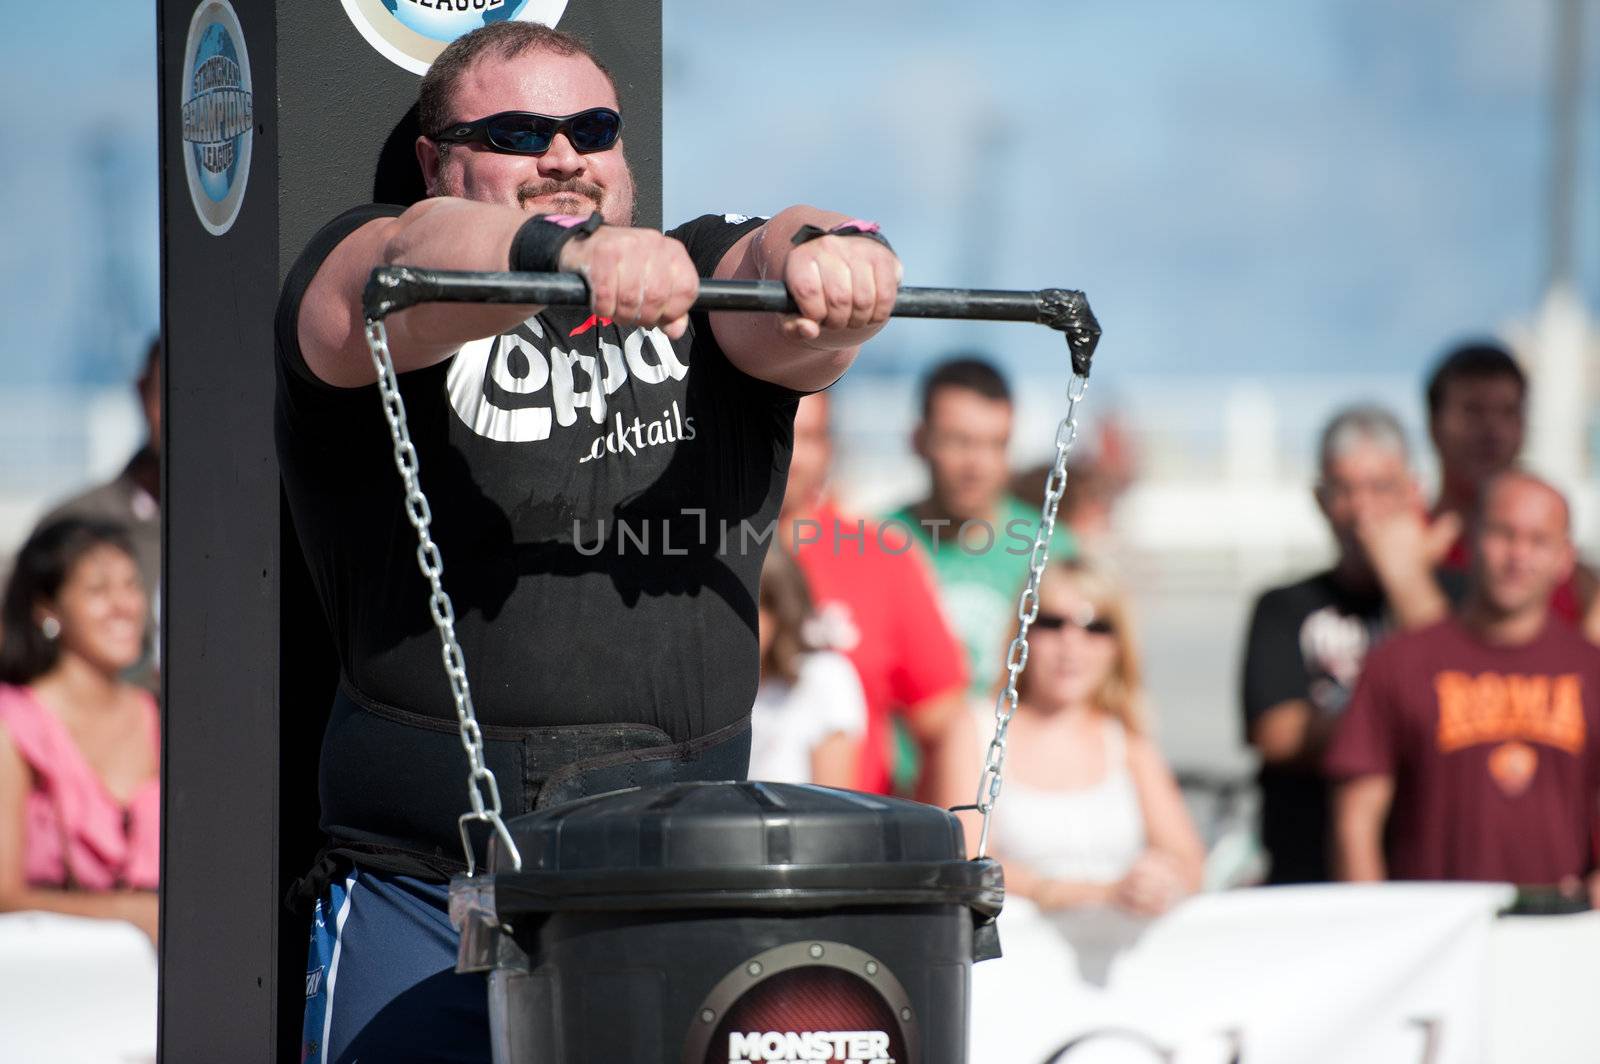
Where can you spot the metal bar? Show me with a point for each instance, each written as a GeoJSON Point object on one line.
{"type": "Point", "coordinates": [395, 288]}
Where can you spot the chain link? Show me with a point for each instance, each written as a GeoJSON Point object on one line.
{"type": "Point", "coordinates": [1005, 705]}
{"type": "Point", "coordinates": [483, 793]}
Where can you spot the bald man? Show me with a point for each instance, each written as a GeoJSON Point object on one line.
{"type": "Point", "coordinates": [1471, 748]}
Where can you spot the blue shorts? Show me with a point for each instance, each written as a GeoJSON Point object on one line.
{"type": "Point", "coordinates": [381, 984]}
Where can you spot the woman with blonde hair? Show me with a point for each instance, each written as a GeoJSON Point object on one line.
{"type": "Point", "coordinates": [1091, 816]}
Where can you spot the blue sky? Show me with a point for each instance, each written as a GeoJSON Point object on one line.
{"type": "Point", "coordinates": [1256, 188]}
{"type": "Point", "coordinates": [1247, 186]}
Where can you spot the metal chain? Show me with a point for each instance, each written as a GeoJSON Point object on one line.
{"type": "Point", "coordinates": [1005, 705]}
{"type": "Point", "coordinates": [483, 793]}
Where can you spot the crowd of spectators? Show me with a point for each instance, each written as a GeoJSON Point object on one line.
{"type": "Point", "coordinates": [1424, 708]}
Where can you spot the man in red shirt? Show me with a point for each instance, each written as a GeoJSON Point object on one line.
{"type": "Point", "coordinates": [875, 601]}
{"type": "Point", "coordinates": [1472, 747]}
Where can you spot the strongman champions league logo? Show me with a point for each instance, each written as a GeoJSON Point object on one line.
{"type": "Point", "coordinates": [412, 33]}
{"type": "Point", "coordinates": [218, 115]}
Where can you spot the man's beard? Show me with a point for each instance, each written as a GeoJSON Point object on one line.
{"type": "Point", "coordinates": [572, 196]}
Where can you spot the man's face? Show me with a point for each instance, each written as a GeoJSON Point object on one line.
{"type": "Point", "coordinates": [964, 440]}
{"type": "Point", "coordinates": [1478, 428]}
{"type": "Point", "coordinates": [813, 452]}
{"type": "Point", "coordinates": [1366, 480]}
{"type": "Point", "coordinates": [1524, 550]}
{"type": "Point", "coordinates": [561, 181]}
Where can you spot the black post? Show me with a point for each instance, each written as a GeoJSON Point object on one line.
{"type": "Point", "coordinates": [275, 116]}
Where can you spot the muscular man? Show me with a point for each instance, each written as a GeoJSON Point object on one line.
{"type": "Point", "coordinates": [580, 465]}
{"type": "Point", "coordinates": [1471, 748]}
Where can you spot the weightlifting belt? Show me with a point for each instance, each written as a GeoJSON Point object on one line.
{"type": "Point", "coordinates": [394, 783]}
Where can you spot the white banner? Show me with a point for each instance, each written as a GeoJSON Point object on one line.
{"type": "Point", "coordinates": [1299, 975]}
{"type": "Point", "coordinates": [75, 991]}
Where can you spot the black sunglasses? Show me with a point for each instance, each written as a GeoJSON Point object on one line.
{"type": "Point", "coordinates": [525, 133]}
{"type": "Point", "coordinates": [1051, 622]}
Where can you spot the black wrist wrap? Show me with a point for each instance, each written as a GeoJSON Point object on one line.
{"type": "Point", "coordinates": [537, 246]}
{"type": "Point", "coordinates": [807, 233]}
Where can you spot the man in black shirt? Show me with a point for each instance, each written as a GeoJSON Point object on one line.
{"type": "Point", "coordinates": [1308, 639]}
{"type": "Point", "coordinates": [602, 482]}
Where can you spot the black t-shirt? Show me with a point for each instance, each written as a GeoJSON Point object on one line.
{"type": "Point", "coordinates": [1307, 641]}
{"type": "Point", "coordinates": [580, 475]}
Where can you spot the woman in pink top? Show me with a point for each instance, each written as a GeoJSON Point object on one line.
{"type": "Point", "coordinates": [79, 746]}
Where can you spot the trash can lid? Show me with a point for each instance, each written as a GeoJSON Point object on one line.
{"type": "Point", "coordinates": [740, 845]}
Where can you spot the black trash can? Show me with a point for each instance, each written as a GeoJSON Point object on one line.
{"type": "Point", "coordinates": [731, 922]}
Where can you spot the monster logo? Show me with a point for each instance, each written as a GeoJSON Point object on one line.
{"type": "Point", "coordinates": [806, 1001]}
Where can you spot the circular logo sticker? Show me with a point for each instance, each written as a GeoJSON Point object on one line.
{"type": "Point", "coordinates": [218, 115]}
{"type": "Point", "coordinates": [412, 33]}
{"type": "Point", "coordinates": [807, 1001]}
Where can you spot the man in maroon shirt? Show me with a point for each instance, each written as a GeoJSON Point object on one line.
{"type": "Point", "coordinates": [1471, 748]}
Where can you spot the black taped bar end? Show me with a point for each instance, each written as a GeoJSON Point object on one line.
{"type": "Point", "coordinates": [390, 289]}
{"type": "Point", "coordinates": [393, 288]}
{"type": "Point", "coordinates": [1068, 310]}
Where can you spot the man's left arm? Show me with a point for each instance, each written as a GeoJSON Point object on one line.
{"type": "Point", "coordinates": [1587, 583]}
{"type": "Point", "coordinates": [844, 286]}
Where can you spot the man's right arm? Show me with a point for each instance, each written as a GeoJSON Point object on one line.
{"type": "Point", "coordinates": [636, 276]}
{"type": "Point", "coordinates": [1291, 732]}
{"type": "Point", "coordinates": [1362, 761]}
{"type": "Point", "coordinates": [1360, 810]}
{"type": "Point", "coordinates": [437, 233]}
{"type": "Point", "coordinates": [1280, 721]}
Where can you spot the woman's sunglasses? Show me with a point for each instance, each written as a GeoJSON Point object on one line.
{"type": "Point", "coordinates": [1052, 622]}
{"type": "Point", "coordinates": [525, 133]}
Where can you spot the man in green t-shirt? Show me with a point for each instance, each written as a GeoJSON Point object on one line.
{"type": "Point", "coordinates": [978, 534]}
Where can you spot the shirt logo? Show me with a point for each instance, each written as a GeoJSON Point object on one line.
{"type": "Point", "coordinates": [1334, 644]}
{"type": "Point", "coordinates": [1512, 766]}
{"type": "Point", "coordinates": [1498, 708]}
{"type": "Point", "coordinates": [522, 386]}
